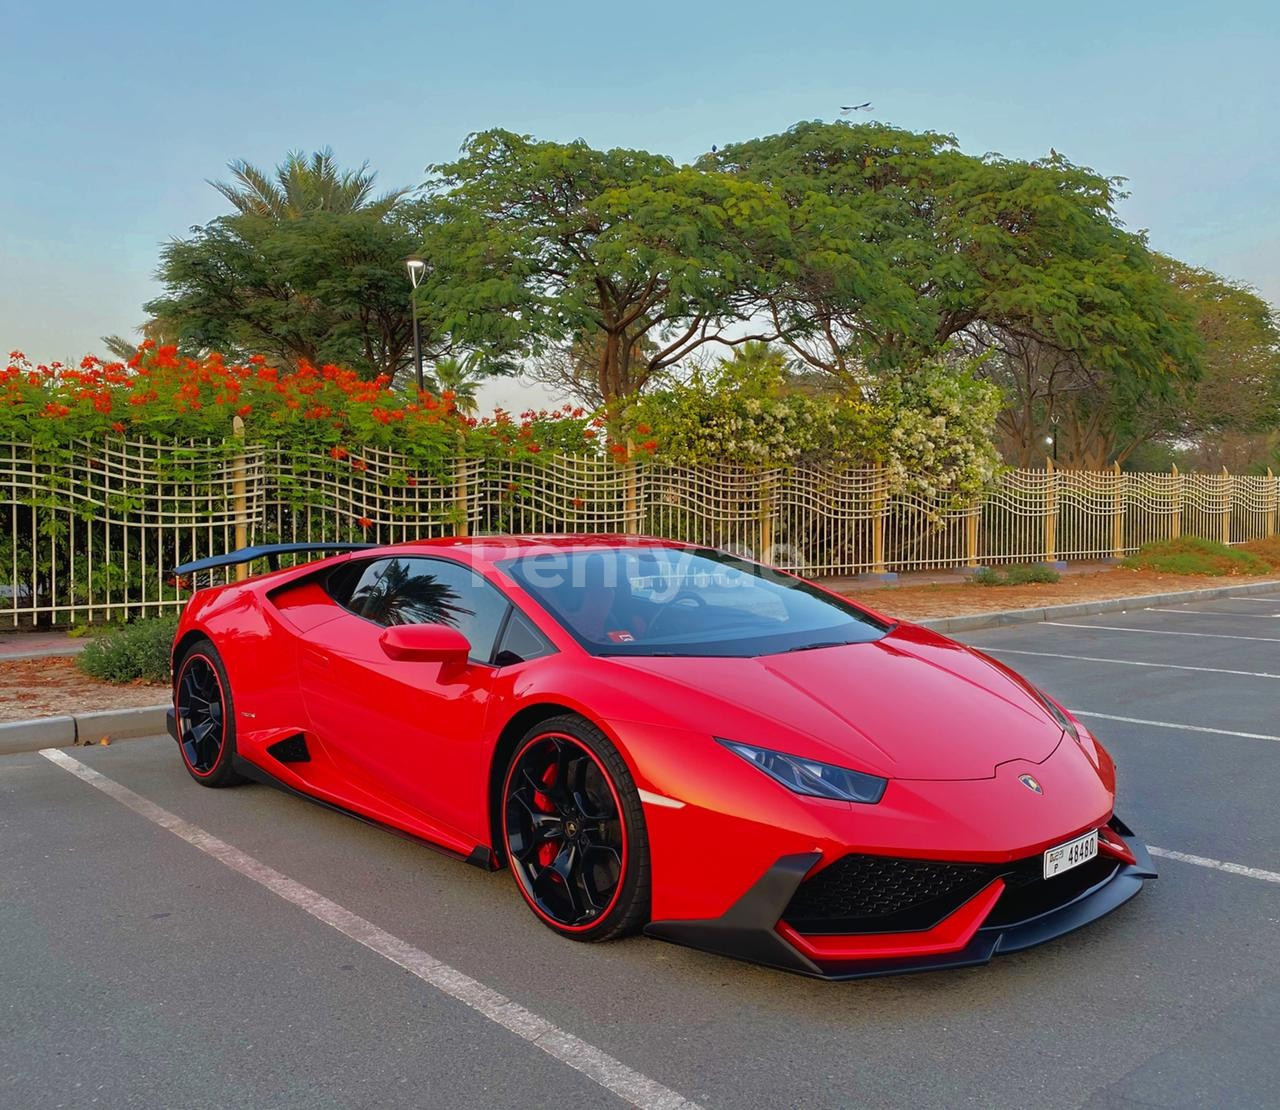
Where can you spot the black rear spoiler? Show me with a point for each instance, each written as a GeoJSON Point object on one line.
{"type": "Point", "coordinates": [269, 551]}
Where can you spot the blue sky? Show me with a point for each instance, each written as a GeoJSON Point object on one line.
{"type": "Point", "coordinates": [115, 114]}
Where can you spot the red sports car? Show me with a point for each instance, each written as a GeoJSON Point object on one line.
{"type": "Point", "coordinates": [660, 737]}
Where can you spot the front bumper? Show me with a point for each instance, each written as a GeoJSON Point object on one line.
{"type": "Point", "coordinates": [753, 928]}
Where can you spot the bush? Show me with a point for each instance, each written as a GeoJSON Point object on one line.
{"type": "Point", "coordinates": [1020, 574]}
{"type": "Point", "coordinates": [1189, 555]}
{"type": "Point", "coordinates": [131, 652]}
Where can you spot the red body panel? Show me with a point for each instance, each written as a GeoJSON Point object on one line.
{"type": "Point", "coordinates": [412, 744]}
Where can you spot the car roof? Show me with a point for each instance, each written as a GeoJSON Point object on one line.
{"type": "Point", "coordinates": [496, 548]}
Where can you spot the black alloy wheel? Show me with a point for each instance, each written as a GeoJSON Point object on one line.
{"type": "Point", "coordinates": [206, 727]}
{"type": "Point", "coordinates": [570, 840]}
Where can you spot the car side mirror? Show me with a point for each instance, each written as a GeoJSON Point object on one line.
{"type": "Point", "coordinates": [425, 643]}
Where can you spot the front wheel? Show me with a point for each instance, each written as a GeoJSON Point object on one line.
{"type": "Point", "coordinates": [574, 831]}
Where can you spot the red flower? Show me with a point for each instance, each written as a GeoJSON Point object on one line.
{"type": "Point", "coordinates": [643, 430]}
{"type": "Point", "coordinates": [338, 452]}
{"type": "Point", "coordinates": [365, 522]}
{"type": "Point", "coordinates": [359, 464]}
{"type": "Point", "coordinates": [244, 410]}
{"type": "Point", "coordinates": [411, 481]}
{"type": "Point", "coordinates": [118, 428]}
{"type": "Point", "coordinates": [578, 502]}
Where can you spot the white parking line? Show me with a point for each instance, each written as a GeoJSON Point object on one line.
{"type": "Point", "coordinates": [1217, 864]}
{"type": "Point", "coordinates": [1126, 662]}
{"type": "Point", "coordinates": [1216, 613]}
{"type": "Point", "coordinates": [1165, 632]}
{"type": "Point", "coordinates": [597, 1065]}
{"type": "Point", "coordinates": [1174, 724]}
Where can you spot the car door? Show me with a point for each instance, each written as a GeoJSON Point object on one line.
{"type": "Point", "coordinates": [407, 737]}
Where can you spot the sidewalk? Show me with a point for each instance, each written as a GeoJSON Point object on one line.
{"type": "Point", "coordinates": [38, 645]}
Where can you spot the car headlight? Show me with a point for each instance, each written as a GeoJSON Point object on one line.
{"type": "Point", "coordinates": [807, 776]}
{"type": "Point", "coordinates": [1055, 711]}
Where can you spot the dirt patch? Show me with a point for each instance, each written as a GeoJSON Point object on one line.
{"type": "Point", "coordinates": [53, 687]}
{"type": "Point", "coordinates": [964, 598]}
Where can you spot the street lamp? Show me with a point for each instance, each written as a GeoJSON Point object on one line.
{"type": "Point", "coordinates": [417, 271]}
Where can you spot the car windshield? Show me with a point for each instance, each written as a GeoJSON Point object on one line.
{"type": "Point", "coordinates": [686, 601]}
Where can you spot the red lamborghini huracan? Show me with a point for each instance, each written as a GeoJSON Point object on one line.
{"type": "Point", "coordinates": [663, 737]}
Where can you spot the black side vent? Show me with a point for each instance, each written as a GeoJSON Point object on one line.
{"type": "Point", "coordinates": [292, 749]}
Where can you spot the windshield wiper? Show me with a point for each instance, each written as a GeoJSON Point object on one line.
{"type": "Point", "coordinates": [822, 644]}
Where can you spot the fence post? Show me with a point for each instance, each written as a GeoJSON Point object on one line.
{"type": "Point", "coordinates": [766, 520]}
{"type": "Point", "coordinates": [1227, 495]}
{"type": "Point", "coordinates": [239, 495]}
{"type": "Point", "coordinates": [1117, 517]}
{"type": "Point", "coordinates": [880, 511]}
{"type": "Point", "coordinates": [1176, 530]}
{"type": "Point", "coordinates": [1050, 513]}
{"type": "Point", "coordinates": [461, 496]}
{"type": "Point", "coordinates": [971, 523]}
{"type": "Point", "coordinates": [1270, 526]}
{"type": "Point", "coordinates": [632, 492]}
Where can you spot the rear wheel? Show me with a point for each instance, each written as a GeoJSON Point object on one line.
{"type": "Point", "coordinates": [205, 716]}
{"type": "Point", "coordinates": [574, 831]}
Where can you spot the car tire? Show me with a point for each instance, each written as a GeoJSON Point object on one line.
{"type": "Point", "coordinates": [574, 831]}
{"type": "Point", "coordinates": [206, 720]}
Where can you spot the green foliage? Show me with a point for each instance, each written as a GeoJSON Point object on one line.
{"type": "Point", "coordinates": [931, 429]}
{"type": "Point", "coordinates": [902, 241]}
{"type": "Point", "coordinates": [309, 267]}
{"type": "Point", "coordinates": [133, 652]}
{"type": "Point", "coordinates": [535, 243]}
{"type": "Point", "coordinates": [1019, 574]}
{"type": "Point", "coordinates": [1189, 555]}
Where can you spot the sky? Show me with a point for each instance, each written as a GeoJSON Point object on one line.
{"type": "Point", "coordinates": [114, 116]}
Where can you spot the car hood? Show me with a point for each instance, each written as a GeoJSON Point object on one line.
{"type": "Point", "coordinates": [912, 705]}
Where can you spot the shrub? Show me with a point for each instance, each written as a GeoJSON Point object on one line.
{"type": "Point", "coordinates": [139, 650]}
{"type": "Point", "coordinates": [1020, 574]}
{"type": "Point", "coordinates": [1189, 555]}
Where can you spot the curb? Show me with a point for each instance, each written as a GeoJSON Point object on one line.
{"type": "Point", "coordinates": [975, 621]}
{"type": "Point", "coordinates": [65, 732]}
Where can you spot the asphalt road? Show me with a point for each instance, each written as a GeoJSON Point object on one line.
{"type": "Point", "coordinates": [137, 969]}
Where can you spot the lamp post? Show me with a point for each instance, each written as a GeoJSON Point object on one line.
{"type": "Point", "coordinates": [417, 271]}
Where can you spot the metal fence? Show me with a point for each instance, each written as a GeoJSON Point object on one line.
{"type": "Point", "coordinates": [92, 531]}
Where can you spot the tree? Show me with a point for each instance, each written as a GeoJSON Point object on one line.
{"type": "Point", "coordinates": [308, 267]}
{"type": "Point", "coordinates": [459, 376]}
{"type": "Point", "coordinates": [538, 244]}
{"type": "Point", "coordinates": [941, 244]}
{"type": "Point", "coordinates": [1231, 415]}
{"type": "Point", "coordinates": [302, 186]}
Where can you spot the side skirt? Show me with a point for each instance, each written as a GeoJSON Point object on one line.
{"type": "Point", "coordinates": [480, 856]}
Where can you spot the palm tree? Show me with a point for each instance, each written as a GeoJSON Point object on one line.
{"type": "Point", "coordinates": [461, 377]}
{"type": "Point", "coordinates": [302, 185]}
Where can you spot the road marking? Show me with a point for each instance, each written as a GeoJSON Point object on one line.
{"type": "Point", "coordinates": [594, 1063]}
{"type": "Point", "coordinates": [1126, 662]}
{"type": "Point", "coordinates": [1173, 724]}
{"type": "Point", "coordinates": [1217, 864]}
{"type": "Point", "coordinates": [1166, 632]}
{"type": "Point", "coordinates": [1216, 613]}
{"type": "Point", "coordinates": [650, 798]}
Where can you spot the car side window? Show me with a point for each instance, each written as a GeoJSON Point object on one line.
{"type": "Point", "coordinates": [350, 579]}
{"type": "Point", "coordinates": [520, 641]}
{"type": "Point", "coordinates": [408, 590]}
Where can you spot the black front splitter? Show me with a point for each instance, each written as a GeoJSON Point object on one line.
{"type": "Point", "coordinates": [748, 930]}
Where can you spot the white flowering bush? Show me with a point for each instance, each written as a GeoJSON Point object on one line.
{"type": "Point", "coordinates": [931, 428]}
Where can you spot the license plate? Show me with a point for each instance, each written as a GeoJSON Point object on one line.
{"type": "Point", "coordinates": [1072, 854]}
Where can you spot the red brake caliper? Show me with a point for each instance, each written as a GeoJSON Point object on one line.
{"type": "Point", "coordinates": [547, 850]}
